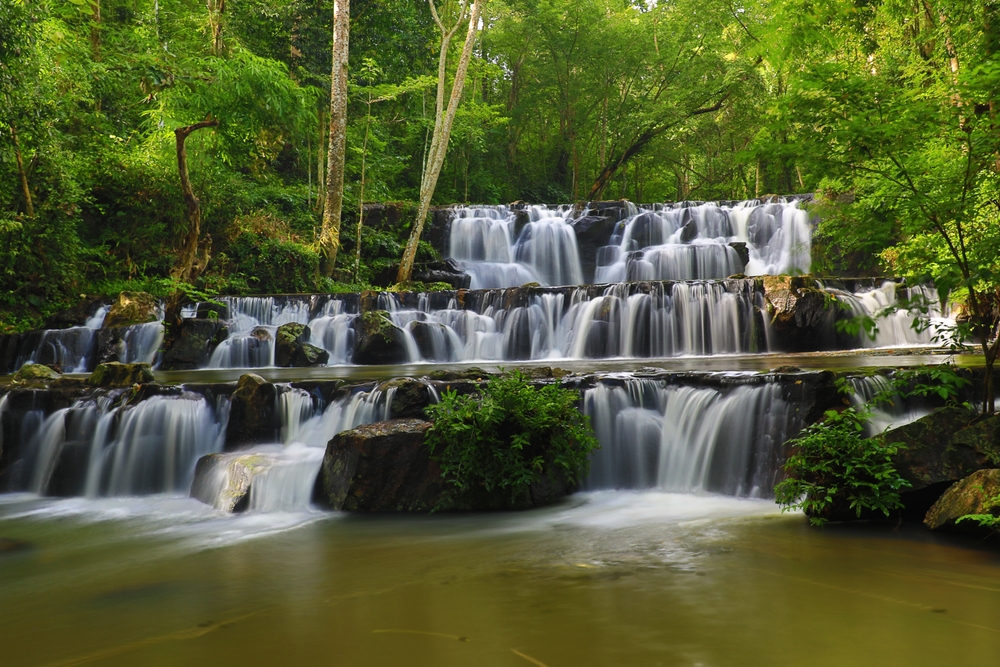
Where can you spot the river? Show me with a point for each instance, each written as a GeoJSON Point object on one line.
{"type": "Point", "coordinates": [607, 578]}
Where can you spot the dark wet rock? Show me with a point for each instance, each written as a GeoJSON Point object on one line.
{"type": "Point", "coordinates": [381, 467]}
{"type": "Point", "coordinates": [10, 348]}
{"type": "Point", "coordinates": [802, 316]}
{"type": "Point", "coordinates": [132, 308]}
{"type": "Point", "coordinates": [592, 234]}
{"type": "Point", "coordinates": [192, 345]}
{"type": "Point", "coordinates": [409, 398]}
{"type": "Point", "coordinates": [111, 345]}
{"type": "Point", "coordinates": [431, 339]}
{"type": "Point", "coordinates": [35, 374]}
{"type": "Point", "coordinates": [77, 315]}
{"type": "Point", "coordinates": [975, 494]}
{"type": "Point", "coordinates": [261, 334]}
{"type": "Point", "coordinates": [473, 373]}
{"type": "Point", "coordinates": [224, 480]}
{"type": "Point", "coordinates": [114, 374]}
{"type": "Point", "coordinates": [252, 415]}
{"type": "Point", "coordinates": [741, 251]}
{"type": "Point", "coordinates": [943, 447]}
{"type": "Point", "coordinates": [444, 271]}
{"type": "Point", "coordinates": [292, 347]}
{"type": "Point", "coordinates": [689, 232]}
{"type": "Point", "coordinates": [212, 311]}
{"type": "Point", "coordinates": [377, 340]}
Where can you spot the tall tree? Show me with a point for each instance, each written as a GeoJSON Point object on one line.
{"type": "Point", "coordinates": [336, 154]}
{"type": "Point", "coordinates": [443, 119]}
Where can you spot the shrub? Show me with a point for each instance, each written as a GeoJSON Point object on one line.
{"type": "Point", "coordinates": [269, 265]}
{"type": "Point", "coordinates": [834, 470]}
{"type": "Point", "coordinates": [493, 448]}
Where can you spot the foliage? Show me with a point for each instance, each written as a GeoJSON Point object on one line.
{"type": "Point", "coordinates": [990, 518]}
{"type": "Point", "coordinates": [834, 470]}
{"type": "Point", "coordinates": [491, 448]}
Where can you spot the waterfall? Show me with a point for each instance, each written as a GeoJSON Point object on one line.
{"type": "Point", "coordinates": [690, 241]}
{"type": "Point", "coordinates": [891, 411]}
{"type": "Point", "coordinates": [71, 349]}
{"type": "Point", "coordinates": [545, 250]}
{"type": "Point", "coordinates": [724, 439]}
{"type": "Point", "coordinates": [892, 316]}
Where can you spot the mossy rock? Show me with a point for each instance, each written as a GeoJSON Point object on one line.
{"type": "Point", "coordinates": [132, 308]}
{"type": "Point", "coordinates": [292, 349]}
{"type": "Point", "coordinates": [972, 495]}
{"type": "Point", "coordinates": [34, 373]}
{"type": "Point", "coordinates": [378, 340]}
{"type": "Point", "coordinates": [114, 374]}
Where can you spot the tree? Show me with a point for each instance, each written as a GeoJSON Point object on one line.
{"type": "Point", "coordinates": [443, 119]}
{"type": "Point", "coordinates": [334, 201]}
{"type": "Point", "coordinates": [893, 105]}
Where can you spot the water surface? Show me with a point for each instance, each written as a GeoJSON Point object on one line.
{"type": "Point", "coordinates": [608, 578]}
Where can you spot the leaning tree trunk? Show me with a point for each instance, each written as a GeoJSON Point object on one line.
{"type": "Point", "coordinates": [329, 238]}
{"type": "Point", "coordinates": [442, 128]}
{"type": "Point", "coordinates": [188, 264]}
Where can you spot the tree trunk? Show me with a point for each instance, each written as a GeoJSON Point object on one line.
{"type": "Point", "coordinates": [95, 32]}
{"type": "Point", "coordinates": [361, 193]}
{"type": "Point", "coordinates": [29, 206]}
{"type": "Point", "coordinates": [329, 238]}
{"type": "Point", "coordinates": [188, 265]}
{"type": "Point", "coordinates": [442, 126]}
{"type": "Point", "coordinates": [216, 8]}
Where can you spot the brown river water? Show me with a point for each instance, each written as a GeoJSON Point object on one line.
{"type": "Point", "coordinates": [609, 578]}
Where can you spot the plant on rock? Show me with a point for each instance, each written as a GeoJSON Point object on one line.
{"type": "Point", "coordinates": [512, 447]}
{"type": "Point", "coordinates": [834, 470]}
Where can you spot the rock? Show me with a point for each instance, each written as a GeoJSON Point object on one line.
{"type": "Point", "coordinates": [75, 316]}
{"type": "Point", "coordinates": [378, 341]}
{"type": "Point", "coordinates": [742, 251]}
{"type": "Point", "coordinates": [592, 234]}
{"type": "Point", "coordinates": [114, 374]}
{"type": "Point", "coordinates": [942, 447]}
{"type": "Point", "coordinates": [132, 308]}
{"type": "Point", "coordinates": [431, 339]}
{"type": "Point", "coordinates": [802, 316]}
{"type": "Point", "coordinates": [111, 345]}
{"type": "Point", "coordinates": [223, 480]}
{"type": "Point", "coordinates": [10, 347]}
{"type": "Point", "coordinates": [252, 415]}
{"type": "Point", "coordinates": [291, 347]}
{"type": "Point", "coordinates": [972, 495]}
{"type": "Point", "coordinates": [381, 467]}
{"type": "Point", "coordinates": [34, 374]}
{"type": "Point", "coordinates": [409, 397]}
{"type": "Point", "coordinates": [193, 343]}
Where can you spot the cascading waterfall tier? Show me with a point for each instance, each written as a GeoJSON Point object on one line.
{"type": "Point", "coordinates": [727, 438]}
{"type": "Point", "coordinates": [506, 246]}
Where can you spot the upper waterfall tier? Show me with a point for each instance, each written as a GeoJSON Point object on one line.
{"type": "Point", "coordinates": [507, 246]}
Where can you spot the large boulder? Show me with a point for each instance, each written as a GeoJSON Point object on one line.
{"type": "Point", "coordinates": [407, 397]}
{"type": "Point", "coordinates": [114, 374]}
{"type": "Point", "coordinates": [223, 480]}
{"type": "Point", "coordinates": [132, 308]}
{"type": "Point", "coordinates": [381, 467]}
{"type": "Point", "coordinates": [802, 315]}
{"type": "Point", "coordinates": [943, 447]}
{"type": "Point", "coordinates": [253, 418]}
{"type": "Point", "coordinates": [35, 374]}
{"type": "Point", "coordinates": [378, 341]}
{"type": "Point", "coordinates": [592, 233]}
{"type": "Point", "coordinates": [192, 344]}
{"type": "Point", "coordinates": [974, 494]}
{"type": "Point", "coordinates": [292, 347]}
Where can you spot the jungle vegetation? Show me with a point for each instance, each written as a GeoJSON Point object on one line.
{"type": "Point", "coordinates": [147, 144]}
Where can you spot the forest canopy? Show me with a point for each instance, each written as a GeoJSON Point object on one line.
{"type": "Point", "coordinates": [884, 108]}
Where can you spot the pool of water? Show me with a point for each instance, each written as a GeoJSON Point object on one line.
{"type": "Point", "coordinates": [609, 578]}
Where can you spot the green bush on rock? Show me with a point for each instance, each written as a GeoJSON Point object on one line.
{"type": "Point", "coordinates": [834, 470]}
{"type": "Point", "coordinates": [497, 449]}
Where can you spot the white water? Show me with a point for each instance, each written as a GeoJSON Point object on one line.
{"type": "Point", "coordinates": [891, 410]}
{"type": "Point", "coordinates": [688, 439]}
{"type": "Point", "coordinates": [545, 251]}
{"type": "Point", "coordinates": [898, 325]}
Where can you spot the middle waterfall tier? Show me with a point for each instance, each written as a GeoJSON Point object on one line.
{"type": "Point", "coordinates": [628, 320]}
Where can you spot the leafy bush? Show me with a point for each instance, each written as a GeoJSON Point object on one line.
{"type": "Point", "coordinates": [989, 518]}
{"type": "Point", "coordinates": [834, 469]}
{"type": "Point", "coordinates": [493, 448]}
{"type": "Point", "coordinates": [269, 265]}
